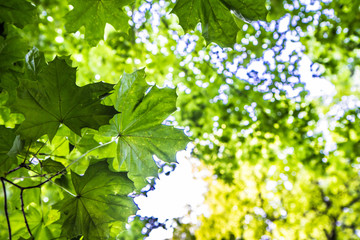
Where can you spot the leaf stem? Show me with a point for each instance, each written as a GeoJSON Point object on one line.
{"type": "Point", "coordinates": [23, 211]}
{"type": "Point", "coordinates": [83, 155]}
{"type": "Point", "coordinates": [6, 208]}
{"type": "Point", "coordinates": [64, 189]}
{"type": "Point", "coordinates": [44, 175]}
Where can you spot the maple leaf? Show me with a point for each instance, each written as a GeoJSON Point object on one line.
{"type": "Point", "coordinates": [42, 222]}
{"type": "Point", "coordinates": [34, 62]}
{"type": "Point", "coordinates": [10, 145]}
{"type": "Point", "coordinates": [54, 99]}
{"type": "Point", "coordinates": [101, 199]}
{"type": "Point", "coordinates": [94, 14]}
{"type": "Point", "coordinates": [11, 50]}
{"type": "Point", "coordinates": [217, 17]}
{"type": "Point", "coordinates": [18, 12]}
{"type": "Point", "coordinates": [51, 166]}
{"type": "Point", "coordinates": [139, 130]}
{"type": "Point", "coordinates": [247, 10]}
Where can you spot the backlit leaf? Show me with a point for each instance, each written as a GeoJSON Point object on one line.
{"type": "Point", "coordinates": [10, 145]}
{"type": "Point", "coordinates": [139, 130]}
{"type": "Point", "coordinates": [11, 50]}
{"type": "Point", "coordinates": [18, 12]}
{"type": "Point", "coordinates": [52, 166]}
{"type": "Point", "coordinates": [101, 198]}
{"type": "Point", "coordinates": [217, 17]}
{"type": "Point", "coordinates": [35, 62]}
{"type": "Point", "coordinates": [54, 99]}
{"type": "Point", "coordinates": [94, 14]}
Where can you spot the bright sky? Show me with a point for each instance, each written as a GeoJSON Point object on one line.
{"type": "Point", "coordinates": [174, 195]}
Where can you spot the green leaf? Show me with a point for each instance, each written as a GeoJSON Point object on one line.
{"type": "Point", "coordinates": [43, 223]}
{"type": "Point", "coordinates": [34, 62]}
{"type": "Point", "coordinates": [52, 166]}
{"type": "Point", "coordinates": [16, 147]}
{"type": "Point", "coordinates": [10, 146]}
{"type": "Point", "coordinates": [94, 15]}
{"type": "Point", "coordinates": [139, 130]}
{"type": "Point", "coordinates": [83, 143]}
{"type": "Point", "coordinates": [248, 10]}
{"type": "Point", "coordinates": [217, 21]}
{"type": "Point", "coordinates": [54, 99]}
{"type": "Point", "coordinates": [11, 50]}
{"type": "Point", "coordinates": [188, 12]}
{"type": "Point", "coordinates": [101, 200]}
{"type": "Point", "coordinates": [9, 83]}
{"type": "Point", "coordinates": [18, 12]}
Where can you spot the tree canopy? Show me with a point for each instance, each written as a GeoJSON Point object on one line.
{"type": "Point", "coordinates": [95, 96]}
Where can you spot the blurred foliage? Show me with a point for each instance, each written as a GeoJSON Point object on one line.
{"type": "Point", "coordinates": [286, 166]}
{"type": "Point", "coordinates": [285, 160]}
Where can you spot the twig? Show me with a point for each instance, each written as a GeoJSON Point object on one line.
{"type": "Point", "coordinates": [42, 147]}
{"type": "Point", "coordinates": [6, 208]}
{"type": "Point", "coordinates": [23, 164]}
{"type": "Point", "coordinates": [3, 180]}
{"type": "Point", "coordinates": [15, 169]}
{"type": "Point", "coordinates": [352, 202]}
{"type": "Point", "coordinates": [44, 175]}
{"type": "Point", "coordinates": [35, 154]}
{"type": "Point", "coordinates": [23, 211]}
{"type": "Point", "coordinates": [27, 152]}
{"type": "Point", "coordinates": [35, 186]}
{"type": "Point", "coordinates": [29, 177]}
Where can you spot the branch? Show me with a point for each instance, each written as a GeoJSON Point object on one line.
{"type": "Point", "coordinates": [27, 153]}
{"type": "Point", "coordinates": [15, 169]}
{"type": "Point", "coordinates": [6, 208]}
{"type": "Point", "coordinates": [35, 154]}
{"type": "Point", "coordinates": [58, 173]}
{"type": "Point", "coordinates": [29, 177]}
{"type": "Point", "coordinates": [44, 175]}
{"type": "Point", "coordinates": [22, 165]}
{"type": "Point", "coordinates": [23, 211]}
{"type": "Point", "coordinates": [327, 202]}
{"type": "Point", "coordinates": [3, 180]}
{"type": "Point", "coordinates": [352, 202]}
{"type": "Point", "coordinates": [35, 186]}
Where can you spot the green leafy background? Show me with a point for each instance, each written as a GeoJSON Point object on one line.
{"type": "Point", "coordinates": [88, 112]}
